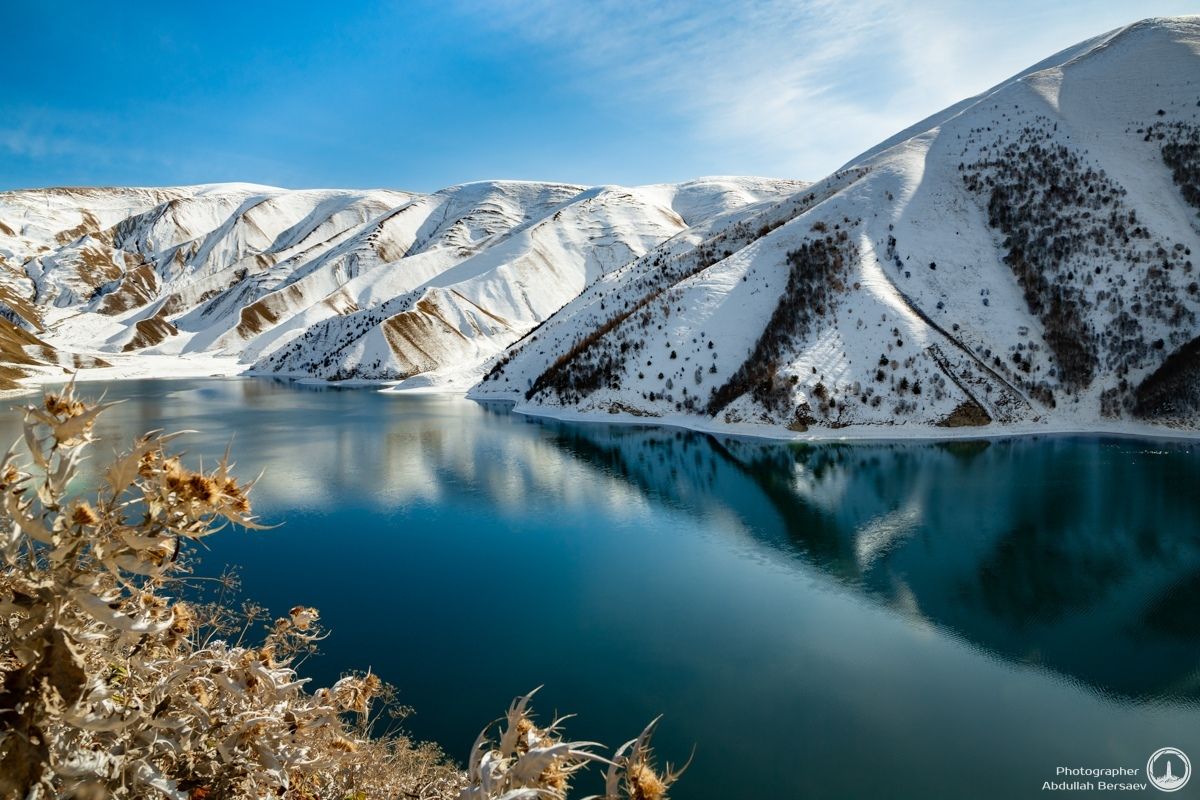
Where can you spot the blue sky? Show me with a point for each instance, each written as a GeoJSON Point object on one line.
{"type": "Point", "coordinates": [421, 95]}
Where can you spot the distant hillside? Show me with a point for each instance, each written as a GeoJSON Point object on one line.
{"type": "Point", "coordinates": [329, 284]}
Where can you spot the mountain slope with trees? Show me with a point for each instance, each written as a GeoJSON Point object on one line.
{"type": "Point", "coordinates": [1025, 258]}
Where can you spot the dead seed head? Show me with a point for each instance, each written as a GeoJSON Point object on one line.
{"type": "Point", "coordinates": [84, 514]}
{"type": "Point", "coordinates": [344, 745]}
{"type": "Point", "coordinates": [64, 406]}
{"type": "Point", "coordinates": [555, 777]}
{"type": "Point", "coordinates": [202, 488]}
{"type": "Point", "coordinates": [11, 476]}
{"type": "Point", "coordinates": [182, 619]}
{"type": "Point", "coordinates": [303, 617]}
{"type": "Point", "coordinates": [645, 783]}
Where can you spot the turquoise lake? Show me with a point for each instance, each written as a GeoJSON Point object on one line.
{"type": "Point", "coordinates": [832, 621]}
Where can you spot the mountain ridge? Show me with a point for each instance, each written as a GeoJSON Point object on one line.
{"type": "Point", "coordinates": [242, 269]}
{"type": "Point", "coordinates": [1022, 259]}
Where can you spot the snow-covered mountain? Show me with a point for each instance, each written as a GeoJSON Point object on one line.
{"type": "Point", "coordinates": [326, 284]}
{"type": "Point", "coordinates": [1022, 258]}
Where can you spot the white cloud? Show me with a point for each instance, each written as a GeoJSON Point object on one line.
{"type": "Point", "coordinates": [797, 88]}
{"type": "Point", "coordinates": [85, 143]}
{"type": "Point", "coordinates": [36, 139]}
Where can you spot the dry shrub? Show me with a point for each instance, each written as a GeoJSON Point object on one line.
{"type": "Point", "coordinates": [530, 763]}
{"type": "Point", "coordinates": [113, 686]}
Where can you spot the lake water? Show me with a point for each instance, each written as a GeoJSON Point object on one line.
{"type": "Point", "coordinates": [841, 621]}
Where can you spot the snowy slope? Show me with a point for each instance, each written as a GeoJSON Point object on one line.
{"type": "Point", "coordinates": [1024, 258]}
{"type": "Point", "coordinates": [326, 283]}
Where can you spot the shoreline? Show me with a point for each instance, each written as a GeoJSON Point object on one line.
{"type": "Point", "coordinates": [125, 367]}
{"type": "Point", "coordinates": [202, 365]}
{"type": "Point", "coordinates": [860, 434]}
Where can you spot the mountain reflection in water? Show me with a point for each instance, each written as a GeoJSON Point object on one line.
{"type": "Point", "coordinates": [792, 608]}
{"type": "Point", "coordinates": [1079, 555]}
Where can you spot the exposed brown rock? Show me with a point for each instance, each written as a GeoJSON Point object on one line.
{"type": "Point", "coordinates": [966, 414]}
{"type": "Point", "coordinates": [149, 332]}
{"type": "Point", "coordinates": [138, 287]}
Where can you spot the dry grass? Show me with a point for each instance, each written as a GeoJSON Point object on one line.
{"type": "Point", "coordinates": [111, 685]}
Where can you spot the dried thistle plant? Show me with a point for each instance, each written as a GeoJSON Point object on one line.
{"type": "Point", "coordinates": [632, 775]}
{"type": "Point", "coordinates": [113, 686]}
{"type": "Point", "coordinates": [527, 762]}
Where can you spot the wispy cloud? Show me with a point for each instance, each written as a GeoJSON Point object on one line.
{"type": "Point", "coordinates": [54, 135]}
{"type": "Point", "coordinates": [67, 144]}
{"type": "Point", "coordinates": [427, 93]}
{"type": "Point", "coordinates": [798, 87]}
{"type": "Point", "coordinates": [28, 141]}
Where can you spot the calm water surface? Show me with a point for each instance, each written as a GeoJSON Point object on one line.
{"type": "Point", "coordinates": [900, 621]}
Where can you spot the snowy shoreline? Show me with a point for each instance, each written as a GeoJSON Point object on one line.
{"type": "Point", "coordinates": [140, 366]}
{"type": "Point", "coordinates": [151, 367]}
{"type": "Point", "coordinates": [860, 434]}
